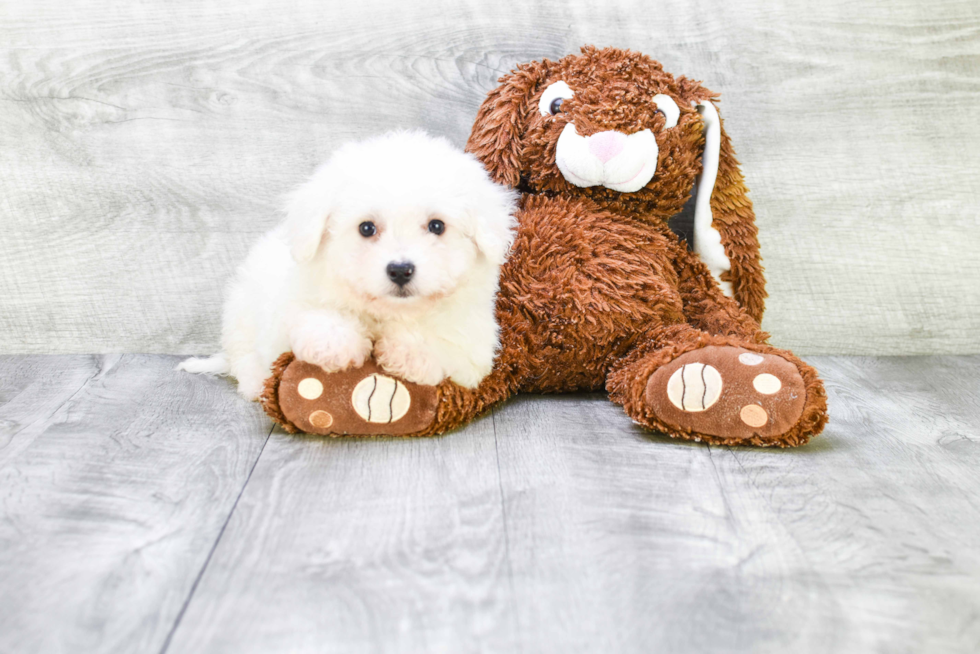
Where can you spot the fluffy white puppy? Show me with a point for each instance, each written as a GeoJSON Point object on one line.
{"type": "Point", "coordinates": [394, 246]}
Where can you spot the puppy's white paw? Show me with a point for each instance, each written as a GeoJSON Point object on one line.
{"type": "Point", "coordinates": [333, 351]}
{"type": "Point", "coordinates": [409, 362]}
{"type": "Point", "coordinates": [251, 389]}
{"type": "Point", "coordinates": [470, 376]}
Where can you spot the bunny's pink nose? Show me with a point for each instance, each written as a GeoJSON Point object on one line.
{"type": "Point", "coordinates": [606, 145]}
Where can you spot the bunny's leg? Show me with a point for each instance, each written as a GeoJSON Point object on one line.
{"type": "Point", "coordinates": [367, 401]}
{"type": "Point", "coordinates": [719, 389]}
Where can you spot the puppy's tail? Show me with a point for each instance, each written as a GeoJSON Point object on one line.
{"type": "Point", "coordinates": [216, 365]}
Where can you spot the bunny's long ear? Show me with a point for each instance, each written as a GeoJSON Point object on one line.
{"type": "Point", "coordinates": [496, 139]}
{"type": "Point", "coordinates": [725, 235]}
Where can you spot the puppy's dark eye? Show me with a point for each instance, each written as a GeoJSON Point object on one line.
{"type": "Point", "coordinates": [436, 226]}
{"type": "Point", "coordinates": [367, 229]}
{"type": "Point", "coordinates": [555, 106]}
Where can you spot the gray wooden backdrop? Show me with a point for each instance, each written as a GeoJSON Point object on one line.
{"type": "Point", "coordinates": [145, 145]}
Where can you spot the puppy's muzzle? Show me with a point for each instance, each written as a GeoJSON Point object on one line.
{"type": "Point", "coordinates": [401, 273]}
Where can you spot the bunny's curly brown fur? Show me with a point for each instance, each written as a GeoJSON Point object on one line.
{"type": "Point", "coordinates": [614, 90]}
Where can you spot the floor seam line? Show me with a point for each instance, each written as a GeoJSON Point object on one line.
{"type": "Point", "coordinates": [811, 568]}
{"type": "Point", "coordinates": [63, 404]}
{"type": "Point", "coordinates": [214, 546]}
{"type": "Point", "coordinates": [503, 515]}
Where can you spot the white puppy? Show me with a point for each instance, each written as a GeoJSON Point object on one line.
{"type": "Point", "coordinates": [394, 246]}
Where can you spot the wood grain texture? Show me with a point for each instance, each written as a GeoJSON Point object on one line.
{"type": "Point", "coordinates": [887, 508]}
{"type": "Point", "coordinates": [370, 545]}
{"type": "Point", "coordinates": [116, 477]}
{"type": "Point", "coordinates": [624, 541]}
{"type": "Point", "coordinates": [146, 145]}
{"type": "Point", "coordinates": [863, 541]}
{"type": "Point", "coordinates": [553, 525]}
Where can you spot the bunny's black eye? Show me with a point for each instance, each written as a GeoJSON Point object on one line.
{"type": "Point", "coordinates": [367, 229]}
{"type": "Point", "coordinates": [436, 226]}
{"type": "Point", "coordinates": [552, 98]}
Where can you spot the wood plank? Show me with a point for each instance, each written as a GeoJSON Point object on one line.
{"type": "Point", "coordinates": [886, 506]}
{"type": "Point", "coordinates": [361, 545]}
{"type": "Point", "coordinates": [626, 541]}
{"type": "Point", "coordinates": [145, 147]}
{"type": "Point", "coordinates": [116, 476]}
{"type": "Point", "coordinates": [554, 525]}
{"type": "Point", "coordinates": [863, 541]}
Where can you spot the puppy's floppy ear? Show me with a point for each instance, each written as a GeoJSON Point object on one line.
{"type": "Point", "coordinates": [493, 221]}
{"type": "Point", "coordinates": [307, 211]}
{"type": "Point", "coordinates": [501, 121]}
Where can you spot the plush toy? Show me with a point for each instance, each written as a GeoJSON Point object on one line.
{"type": "Point", "coordinates": [598, 292]}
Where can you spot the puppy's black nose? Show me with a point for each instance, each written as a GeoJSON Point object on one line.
{"type": "Point", "coordinates": [401, 273]}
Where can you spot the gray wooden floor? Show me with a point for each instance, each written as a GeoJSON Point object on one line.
{"type": "Point", "coordinates": [145, 510]}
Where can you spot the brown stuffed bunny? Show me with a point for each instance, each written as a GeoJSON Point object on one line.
{"type": "Point", "coordinates": [613, 93]}
{"type": "Point", "coordinates": [598, 292]}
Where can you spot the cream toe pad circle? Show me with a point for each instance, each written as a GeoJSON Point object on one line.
{"type": "Point", "coordinates": [767, 384]}
{"type": "Point", "coordinates": [321, 419]}
{"type": "Point", "coordinates": [310, 388]}
{"type": "Point", "coordinates": [377, 398]}
{"type": "Point", "coordinates": [753, 415]}
{"type": "Point", "coordinates": [750, 358]}
{"type": "Point", "coordinates": [694, 387]}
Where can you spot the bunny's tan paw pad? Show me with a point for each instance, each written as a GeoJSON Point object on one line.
{"type": "Point", "coordinates": [729, 392]}
{"type": "Point", "coordinates": [362, 401]}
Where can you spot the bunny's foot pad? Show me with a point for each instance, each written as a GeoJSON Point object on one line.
{"type": "Point", "coordinates": [728, 391]}
{"type": "Point", "coordinates": [362, 401]}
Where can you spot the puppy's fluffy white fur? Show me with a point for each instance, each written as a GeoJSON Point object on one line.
{"type": "Point", "coordinates": [315, 285]}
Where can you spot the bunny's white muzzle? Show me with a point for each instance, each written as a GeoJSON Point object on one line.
{"type": "Point", "coordinates": [624, 163]}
